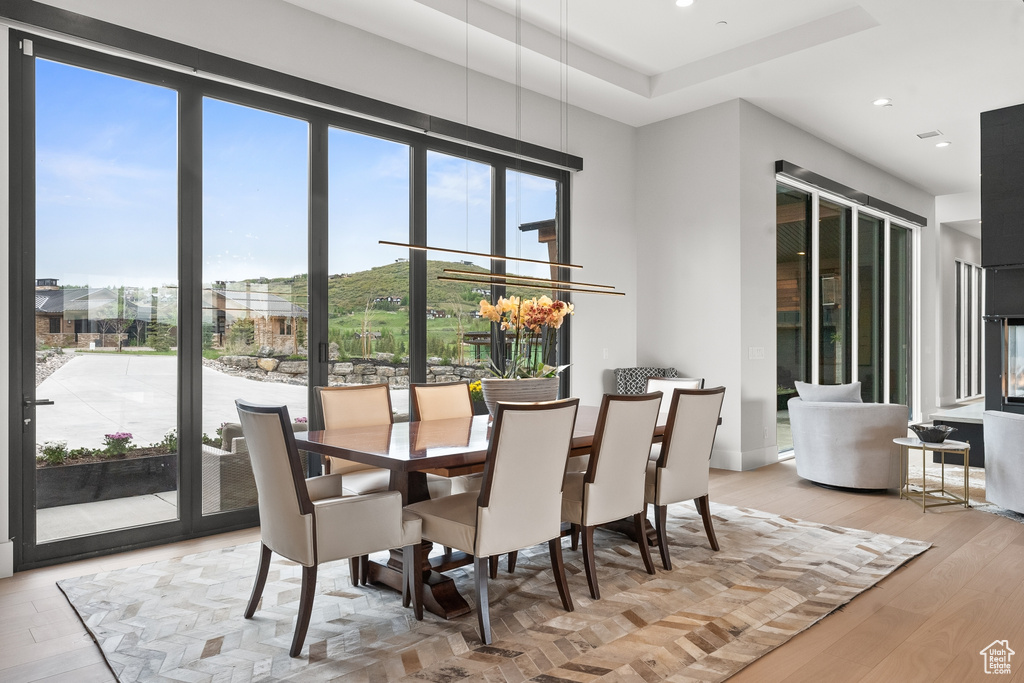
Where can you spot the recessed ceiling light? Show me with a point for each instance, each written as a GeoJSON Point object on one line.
{"type": "Point", "coordinates": [882, 102]}
{"type": "Point", "coordinates": [684, 3]}
{"type": "Point", "coordinates": [944, 143]}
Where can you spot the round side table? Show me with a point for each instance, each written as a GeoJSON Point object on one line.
{"type": "Point", "coordinates": [934, 497]}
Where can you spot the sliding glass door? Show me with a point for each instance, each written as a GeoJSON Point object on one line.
{"type": "Point", "coordinates": [847, 313]}
{"type": "Point", "coordinates": [105, 428]}
{"type": "Point", "coordinates": [255, 306]}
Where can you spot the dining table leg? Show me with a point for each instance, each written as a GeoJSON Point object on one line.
{"type": "Point", "coordinates": [440, 596]}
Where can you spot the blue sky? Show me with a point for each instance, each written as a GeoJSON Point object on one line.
{"type": "Point", "coordinates": [106, 150]}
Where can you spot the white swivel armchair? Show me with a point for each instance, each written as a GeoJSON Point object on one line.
{"type": "Point", "coordinates": [847, 445]}
{"type": "Point", "coordinates": [1004, 459]}
{"type": "Point", "coordinates": [310, 521]}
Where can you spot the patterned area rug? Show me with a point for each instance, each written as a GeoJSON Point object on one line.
{"type": "Point", "coordinates": [712, 615]}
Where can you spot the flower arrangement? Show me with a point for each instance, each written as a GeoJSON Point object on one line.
{"type": "Point", "coordinates": [534, 323]}
{"type": "Point", "coordinates": [476, 391]}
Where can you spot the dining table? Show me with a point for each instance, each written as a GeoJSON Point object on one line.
{"type": "Point", "coordinates": [409, 450]}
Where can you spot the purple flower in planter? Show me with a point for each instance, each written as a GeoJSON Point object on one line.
{"type": "Point", "coordinates": [117, 443]}
{"type": "Point", "coordinates": [301, 420]}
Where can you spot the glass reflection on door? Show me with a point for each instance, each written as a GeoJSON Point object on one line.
{"type": "Point", "coordinates": [106, 303]}
{"type": "Point", "coordinates": [792, 302]}
{"type": "Point", "coordinates": [368, 284]}
{"type": "Point", "coordinates": [254, 300]}
{"type": "Point", "coordinates": [834, 265]}
{"type": "Point", "coordinates": [458, 217]}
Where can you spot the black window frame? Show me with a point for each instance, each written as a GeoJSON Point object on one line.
{"type": "Point", "coordinates": [192, 89]}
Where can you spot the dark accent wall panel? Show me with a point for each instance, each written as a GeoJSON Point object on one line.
{"type": "Point", "coordinates": [1002, 187]}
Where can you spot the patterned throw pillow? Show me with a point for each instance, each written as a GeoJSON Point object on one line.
{"type": "Point", "coordinates": [634, 380]}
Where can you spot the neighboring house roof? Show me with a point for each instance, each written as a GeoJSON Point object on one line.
{"type": "Point", "coordinates": [78, 299]}
{"type": "Point", "coordinates": [263, 304]}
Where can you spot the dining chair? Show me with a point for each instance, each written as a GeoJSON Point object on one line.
{"type": "Point", "coordinates": [679, 466]}
{"type": "Point", "coordinates": [363, 405]}
{"type": "Point", "coordinates": [441, 401]}
{"type": "Point", "coordinates": [666, 385]}
{"type": "Point", "coordinates": [520, 502]}
{"type": "Point", "coordinates": [613, 486]}
{"type": "Point", "coordinates": [312, 521]}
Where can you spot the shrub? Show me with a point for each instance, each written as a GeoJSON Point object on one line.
{"type": "Point", "coordinates": [118, 443]}
{"type": "Point", "coordinates": [55, 452]}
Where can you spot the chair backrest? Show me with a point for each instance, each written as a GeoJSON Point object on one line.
{"type": "Point", "coordinates": [440, 401]}
{"type": "Point", "coordinates": [359, 405]}
{"type": "Point", "coordinates": [666, 385]}
{"type": "Point", "coordinates": [632, 380]}
{"type": "Point", "coordinates": [286, 512]}
{"type": "Point", "coordinates": [520, 502]}
{"type": "Point", "coordinates": [614, 481]}
{"type": "Point", "coordinates": [686, 448]}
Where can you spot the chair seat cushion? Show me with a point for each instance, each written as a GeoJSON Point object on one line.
{"type": "Point", "coordinates": [466, 483]}
{"type": "Point", "coordinates": [450, 521]}
{"type": "Point", "coordinates": [377, 479]}
{"type": "Point", "coordinates": [572, 498]}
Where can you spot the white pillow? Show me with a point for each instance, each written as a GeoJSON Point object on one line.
{"type": "Point", "coordinates": [829, 393]}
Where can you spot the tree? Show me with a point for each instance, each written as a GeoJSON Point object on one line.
{"type": "Point", "coordinates": [115, 317]}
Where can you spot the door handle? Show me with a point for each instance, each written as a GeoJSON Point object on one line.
{"type": "Point", "coordinates": [37, 402]}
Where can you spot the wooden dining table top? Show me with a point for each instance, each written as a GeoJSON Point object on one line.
{"type": "Point", "coordinates": [451, 444]}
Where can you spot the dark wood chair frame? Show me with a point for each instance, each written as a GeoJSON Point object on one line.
{"type": "Point", "coordinates": [701, 502]}
{"type": "Point", "coordinates": [412, 590]}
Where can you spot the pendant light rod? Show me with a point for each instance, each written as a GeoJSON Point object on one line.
{"type": "Point", "coordinates": [493, 257]}
{"type": "Point", "coordinates": [560, 288]}
{"type": "Point", "coordinates": [527, 278]}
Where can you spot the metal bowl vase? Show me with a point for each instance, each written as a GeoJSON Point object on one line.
{"type": "Point", "coordinates": [932, 433]}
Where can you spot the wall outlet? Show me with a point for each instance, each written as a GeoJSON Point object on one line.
{"type": "Point", "coordinates": [605, 354]}
{"type": "Point", "coordinates": [755, 353]}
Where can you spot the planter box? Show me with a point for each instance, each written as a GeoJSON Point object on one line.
{"type": "Point", "coordinates": [115, 478]}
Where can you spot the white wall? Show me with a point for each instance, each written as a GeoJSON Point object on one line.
{"type": "Point", "coordinates": [705, 194]}
{"type": "Point", "coordinates": [689, 277]}
{"type": "Point", "coordinates": [953, 244]}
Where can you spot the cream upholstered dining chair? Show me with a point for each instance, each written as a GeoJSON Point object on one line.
{"type": "Point", "coordinates": [311, 521]}
{"type": "Point", "coordinates": [612, 488]}
{"type": "Point", "coordinates": [520, 502]}
{"type": "Point", "coordinates": [678, 467]}
{"type": "Point", "coordinates": [442, 401]}
{"type": "Point", "coordinates": [363, 405]}
{"type": "Point", "coordinates": [666, 385]}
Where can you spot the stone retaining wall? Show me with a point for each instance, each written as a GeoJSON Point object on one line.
{"type": "Point", "coordinates": [355, 371]}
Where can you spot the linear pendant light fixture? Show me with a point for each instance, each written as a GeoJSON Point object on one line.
{"type": "Point", "coordinates": [500, 281]}
{"type": "Point", "coordinates": [525, 278]}
{"type": "Point", "coordinates": [495, 257]}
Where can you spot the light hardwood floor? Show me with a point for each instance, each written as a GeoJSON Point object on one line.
{"type": "Point", "coordinates": [926, 622]}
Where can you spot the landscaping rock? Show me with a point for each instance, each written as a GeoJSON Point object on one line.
{"type": "Point", "coordinates": [267, 364]}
